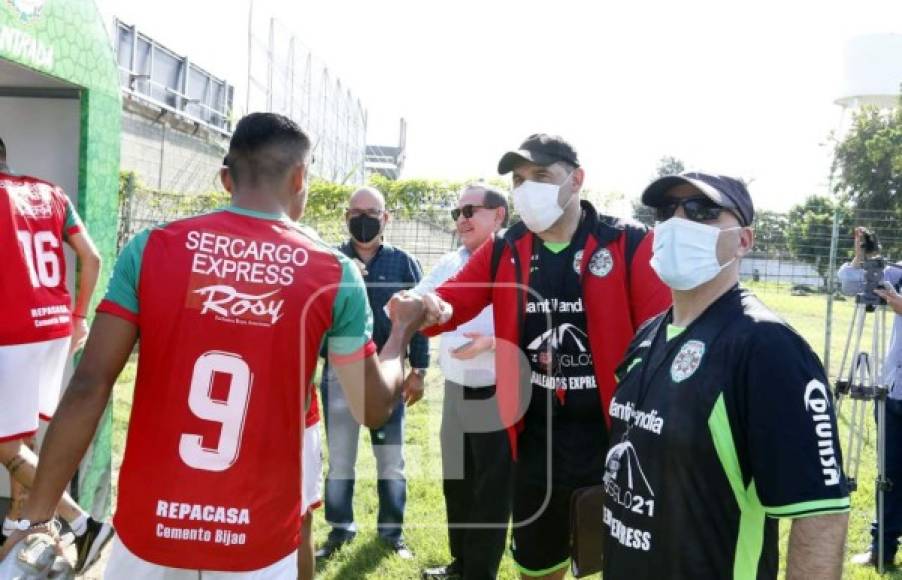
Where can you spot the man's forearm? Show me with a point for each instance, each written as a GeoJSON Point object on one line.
{"type": "Point", "coordinates": [68, 437]}
{"type": "Point", "coordinates": [87, 283]}
{"type": "Point", "coordinates": [391, 362]}
{"type": "Point", "coordinates": [816, 547]}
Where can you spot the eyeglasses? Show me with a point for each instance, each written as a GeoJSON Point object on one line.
{"type": "Point", "coordinates": [467, 211]}
{"type": "Point", "coordinates": [373, 213]}
{"type": "Point", "coordinates": [697, 209]}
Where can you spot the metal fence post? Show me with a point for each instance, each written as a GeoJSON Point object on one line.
{"type": "Point", "coordinates": [831, 274]}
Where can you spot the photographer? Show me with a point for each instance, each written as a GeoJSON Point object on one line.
{"type": "Point", "coordinates": [852, 278]}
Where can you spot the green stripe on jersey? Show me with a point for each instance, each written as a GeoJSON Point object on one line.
{"type": "Point", "coordinates": [750, 542]}
{"type": "Point", "coordinates": [545, 572]}
{"type": "Point", "coordinates": [674, 331]}
{"type": "Point", "coordinates": [123, 287]}
{"type": "Point", "coordinates": [255, 214]}
{"type": "Point", "coordinates": [557, 247]}
{"type": "Point", "coordinates": [810, 508]}
{"type": "Point", "coordinates": [72, 218]}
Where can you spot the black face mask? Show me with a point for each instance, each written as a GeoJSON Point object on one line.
{"type": "Point", "coordinates": [364, 228]}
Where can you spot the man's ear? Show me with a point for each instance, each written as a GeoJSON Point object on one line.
{"type": "Point", "coordinates": [746, 241]}
{"type": "Point", "coordinates": [225, 176]}
{"type": "Point", "coordinates": [579, 175]}
{"type": "Point", "coordinates": [298, 175]}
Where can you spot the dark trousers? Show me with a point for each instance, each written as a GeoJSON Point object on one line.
{"type": "Point", "coordinates": [892, 507]}
{"type": "Point", "coordinates": [477, 479]}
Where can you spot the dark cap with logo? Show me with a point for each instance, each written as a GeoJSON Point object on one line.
{"type": "Point", "coordinates": [727, 192]}
{"type": "Point", "coordinates": [541, 149]}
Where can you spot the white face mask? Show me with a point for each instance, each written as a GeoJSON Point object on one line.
{"type": "Point", "coordinates": [685, 253]}
{"type": "Point", "coordinates": [537, 204]}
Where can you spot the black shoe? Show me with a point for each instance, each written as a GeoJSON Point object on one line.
{"type": "Point", "coordinates": [91, 543]}
{"type": "Point", "coordinates": [449, 572]}
{"type": "Point", "coordinates": [400, 548]}
{"type": "Point", "coordinates": [331, 546]}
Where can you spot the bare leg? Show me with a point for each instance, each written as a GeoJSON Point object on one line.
{"type": "Point", "coordinates": [18, 491]}
{"type": "Point", "coordinates": [306, 560]}
{"type": "Point", "coordinates": [22, 463]}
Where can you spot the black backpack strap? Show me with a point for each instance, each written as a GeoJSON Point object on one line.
{"type": "Point", "coordinates": [497, 249]}
{"type": "Point", "coordinates": [505, 238]}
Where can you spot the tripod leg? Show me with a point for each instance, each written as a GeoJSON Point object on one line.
{"type": "Point", "coordinates": [856, 435]}
{"type": "Point", "coordinates": [846, 351]}
{"type": "Point", "coordinates": [881, 481]}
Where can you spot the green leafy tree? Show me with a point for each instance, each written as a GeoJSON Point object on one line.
{"type": "Point", "coordinates": [669, 165]}
{"type": "Point", "coordinates": [869, 160]}
{"type": "Point", "coordinates": [770, 233]}
{"type": "Point", "coordinates": [809, 228]}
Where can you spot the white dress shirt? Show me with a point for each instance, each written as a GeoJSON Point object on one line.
{"type": "Point", "coordinates": [480, 370]}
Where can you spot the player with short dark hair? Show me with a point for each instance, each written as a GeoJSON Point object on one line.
{"type": "Point", "coordinates": [229, 310]}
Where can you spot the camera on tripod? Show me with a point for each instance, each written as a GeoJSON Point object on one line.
{"type": "Point", "coordinates": [873, 267]}
{"type": "Point", "coordinates": [859, 383]}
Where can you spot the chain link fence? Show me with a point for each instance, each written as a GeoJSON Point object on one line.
{"type": "Point", "coordinates": [792, 255]}
{"type": "Point", "coordinates": [426, 234]}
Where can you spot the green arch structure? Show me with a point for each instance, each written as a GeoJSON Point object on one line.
{"type": "Point", "coordinates": [66, 39]}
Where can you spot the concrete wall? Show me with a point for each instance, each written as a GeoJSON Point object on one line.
{"type": "Point", "coordinates": [169, 156]}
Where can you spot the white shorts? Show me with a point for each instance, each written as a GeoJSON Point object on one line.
{"type": "Point", "coordinates": [312, 476]}
{"type": "Point", "coordinates": [124, 564]}
{"type": "Point", "coordinates": [31, 377]}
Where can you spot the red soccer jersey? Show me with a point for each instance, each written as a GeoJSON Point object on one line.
{"type": "Point", "coordinates": [35, 219]}
{"type": "Point", "coordinates": [232, 308]}
{"type": "Point", "coordinates": [311, 418]}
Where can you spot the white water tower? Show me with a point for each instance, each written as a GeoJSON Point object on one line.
{"type": "Point", "coordinates": [872, 71]}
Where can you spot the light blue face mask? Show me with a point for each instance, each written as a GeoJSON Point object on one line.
{"type": "Point", "coordinates": [685, 253]}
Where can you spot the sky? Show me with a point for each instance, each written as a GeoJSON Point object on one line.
{"type": "Point", "coordinates": [739, 88]}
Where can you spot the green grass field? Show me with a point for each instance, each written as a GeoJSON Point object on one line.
{"type": "Point", "coordinates": [425, 527]}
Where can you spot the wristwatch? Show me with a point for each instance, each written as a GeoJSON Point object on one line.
{"type": "Point", "coordinates": [419, 372]}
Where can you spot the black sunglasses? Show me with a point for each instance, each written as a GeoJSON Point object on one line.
{"type": "Point", "coordinates": [467, 211]}
{"type": "Point", "coordinates": [697, 209]}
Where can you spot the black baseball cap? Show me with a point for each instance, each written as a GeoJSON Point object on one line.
{"type": "Point", "coordinates": [727, 192]}
{"type": "Point", "coordinates": [541, 149]}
